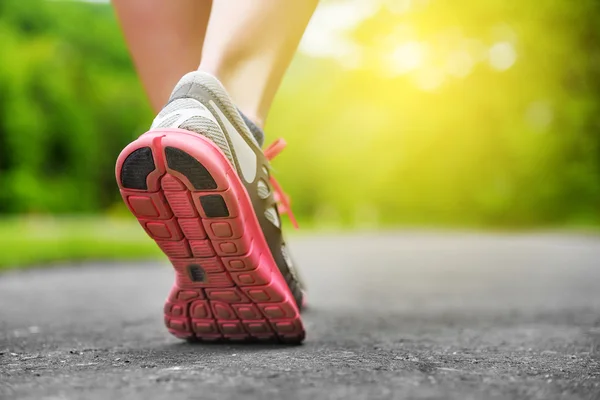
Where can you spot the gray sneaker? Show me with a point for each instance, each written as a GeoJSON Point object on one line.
{"type": "Point", "coordinates": [200, 186]}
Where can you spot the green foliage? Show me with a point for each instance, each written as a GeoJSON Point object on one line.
{"type": "Point", "coordinates": [70, 101]}
{"type": "Point", "coordinates": [510, 148]}
{"type": "Point", "coordinates": [26, 241]}
{"type": "Point", "coordinates": [369, 145]}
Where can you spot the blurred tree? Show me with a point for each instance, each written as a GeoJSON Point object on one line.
{"type": "Point", "coordinates": [425, 112]}
{"type": "Point", "coordinates": [461, 112]}
{"type": "Point", "coordinates": [69, 102]}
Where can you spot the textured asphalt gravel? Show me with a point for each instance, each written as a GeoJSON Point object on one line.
{"type": "Point", "coordinates": [396, 315]}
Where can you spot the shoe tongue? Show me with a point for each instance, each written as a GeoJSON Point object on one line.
{"type": "Point", "coordinates": [258, 133]}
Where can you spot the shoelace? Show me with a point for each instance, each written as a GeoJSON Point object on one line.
{"type": "Point", "coordinates": [282, 199]}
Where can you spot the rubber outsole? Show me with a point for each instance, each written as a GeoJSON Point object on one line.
{"type": "Point", "coordinates": [194, 205]}
{"type": "Point", "coordinates": [136, 167]}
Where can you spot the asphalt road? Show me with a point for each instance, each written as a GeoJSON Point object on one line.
{"type": "Point", "coordinates": [406, 315]}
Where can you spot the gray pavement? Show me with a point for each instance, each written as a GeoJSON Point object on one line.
{"type": "Point", "coordinates": [393, 315]}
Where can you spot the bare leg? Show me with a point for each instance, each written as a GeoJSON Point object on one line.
{"type": "Point", "coordinates": [165, 39]}
{"type": "Point", "coordinates": [249, 45]}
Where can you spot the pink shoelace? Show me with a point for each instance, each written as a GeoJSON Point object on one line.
{"type": "Point", "coordinates": [282, 199]}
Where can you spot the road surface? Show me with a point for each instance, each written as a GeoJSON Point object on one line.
{"type": "Point", "coordinates": [392, 315]}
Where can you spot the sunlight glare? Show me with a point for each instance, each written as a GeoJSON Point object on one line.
{"type": "Point", "coordinates": [460, 64]}
{"type": "Point", "coordinates": [502, 56]}
{"type": "Point", "coordinates": [429, 79]}
{"type": "Point", "coordinates": [326, 35]}
{"type": "Point", "coordinates": [407, 57]}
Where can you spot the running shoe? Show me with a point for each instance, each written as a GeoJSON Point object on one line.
{"type": "Point", "coordinates": [201, 187]}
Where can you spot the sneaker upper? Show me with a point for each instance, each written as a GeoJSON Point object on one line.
{"type": "Point", "coordinates": [200, 104]}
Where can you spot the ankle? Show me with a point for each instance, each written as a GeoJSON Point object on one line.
{"type": "Point", "coordinates": [246, 94]}
{"type": "Point", "coordinates": [253, 118]}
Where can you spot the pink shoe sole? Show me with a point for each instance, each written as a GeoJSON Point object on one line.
{"type": "Point", "coordinates": [190, 200]}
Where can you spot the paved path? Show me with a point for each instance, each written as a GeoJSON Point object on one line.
{"type": "Point", "coordinates": [407, 315]}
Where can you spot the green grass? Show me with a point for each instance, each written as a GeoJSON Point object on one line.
{"type": "Point", "coordinates": [31, 241]}
{"type": "Point", "coordinates": [35, 240]}
{"type": "Point", "coordinates": [41, 241]}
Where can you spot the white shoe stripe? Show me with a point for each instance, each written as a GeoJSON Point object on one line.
{"type": "Point", "coordinates": [185, 114]}
{"type": "Point", "coordinates": [245, 155]}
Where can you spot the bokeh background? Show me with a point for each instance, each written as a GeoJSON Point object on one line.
{"type": "Point", "coordinates": [419, 113]}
